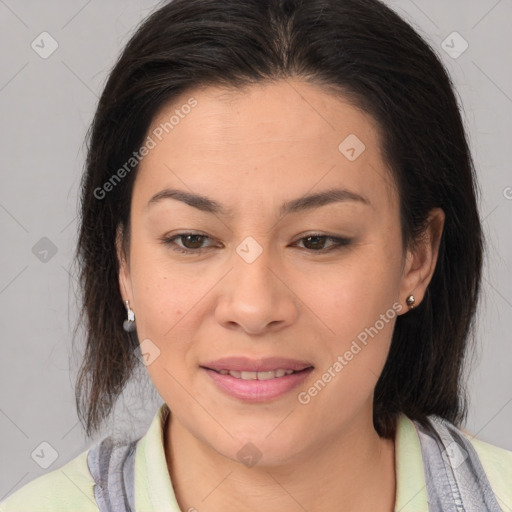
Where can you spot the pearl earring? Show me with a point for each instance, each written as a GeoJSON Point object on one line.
{"type": "Point", "coordinates": [129, 323]}
{"type": "Point", "coordinates": [410, 301]}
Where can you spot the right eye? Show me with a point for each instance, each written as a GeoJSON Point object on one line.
{"type": "Point", "coordinates": [191, 242]}
{"type": "Point", "coordinates": [336, 242]}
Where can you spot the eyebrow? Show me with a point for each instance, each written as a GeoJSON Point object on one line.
{"type": "Point", "coordinates": [302, 203]}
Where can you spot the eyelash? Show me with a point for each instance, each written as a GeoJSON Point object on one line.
{"type": "Point", "coordinates": [338, 243]}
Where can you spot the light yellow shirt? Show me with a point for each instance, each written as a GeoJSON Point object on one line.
{"type": "Point", "coordinates": [70, 487]}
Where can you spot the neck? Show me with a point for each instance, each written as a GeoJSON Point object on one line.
{"type": "Point", "coordinates": [351, 472]}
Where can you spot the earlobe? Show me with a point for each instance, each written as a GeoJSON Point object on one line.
{"type": "Point", "coordinates": [125, 282]}
{"type": "Point", "coordinates": [421, 261]}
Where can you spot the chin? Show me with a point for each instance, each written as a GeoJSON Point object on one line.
{"type": "Point", "coordinates": [252, 448]}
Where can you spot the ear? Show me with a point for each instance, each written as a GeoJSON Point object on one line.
{"type": "Point", "coordinates": [421, 260]}
{"type": "Point", "coordinates": [124, 268]}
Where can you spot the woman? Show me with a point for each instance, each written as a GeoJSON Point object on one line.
{"type": "Point", "coordinates": [279, 220]}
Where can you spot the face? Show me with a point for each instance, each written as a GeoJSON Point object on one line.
{"type": "Point", "coordinates": [256, 272]}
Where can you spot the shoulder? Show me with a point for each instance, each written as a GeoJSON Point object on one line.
{"type": "Point", "coordinates": [497, 464]}
{"type": "Point", "coordinates": [67, 488]}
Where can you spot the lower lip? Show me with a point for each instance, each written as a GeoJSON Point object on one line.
{"type": "Point", "coordinates": [258, 390]}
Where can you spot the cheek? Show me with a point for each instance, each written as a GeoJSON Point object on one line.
{"type": "Point", "coordinates": [354, 293]}
{"type": "Point", "coordinates": [162, 293]}
{"type": "Point", "coordinates": [165, 314]}
{"type": "Point", "coordinates": [358, 310]}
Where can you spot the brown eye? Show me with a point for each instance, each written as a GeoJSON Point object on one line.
{"type": "Point", "coordinates": [190, 242]}
{"type": "Point", "coordinates": [316, 243]}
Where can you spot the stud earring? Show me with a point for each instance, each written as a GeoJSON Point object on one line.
{"type": "Point", "coordinates": [129, 323]}
{"type": "Point", "coordinates": [410, 301]}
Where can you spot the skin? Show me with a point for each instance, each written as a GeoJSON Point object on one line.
{"type": "Point", "coordinates": [251, 151]}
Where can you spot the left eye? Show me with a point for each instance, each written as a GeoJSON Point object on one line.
{"type": "Point", "coordinates": [313, 240]}
{"type": "Point", "coordinates": [196, 240]}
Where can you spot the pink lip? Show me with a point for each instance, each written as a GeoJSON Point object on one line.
{"type": "Point", "coordinates": [257, 390]}
{"type": "Point", "coordinates": [256, 365]}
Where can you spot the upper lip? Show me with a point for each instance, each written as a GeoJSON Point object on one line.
{"type": "Point", "coordinates": [256, 365]}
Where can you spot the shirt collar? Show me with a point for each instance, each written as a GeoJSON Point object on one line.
{"type": "Point", "coordinates": [153, 487]}
{"type": "Point", "coordinates": [154, 491]}
{"type": "Point", "coordinates": [411, 492]}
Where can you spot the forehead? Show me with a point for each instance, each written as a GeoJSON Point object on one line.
{"type": "Point", "coordinates": [285, 137]}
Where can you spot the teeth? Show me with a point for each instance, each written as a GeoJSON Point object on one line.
{"type": "Point", "coordinates": [272, 374]}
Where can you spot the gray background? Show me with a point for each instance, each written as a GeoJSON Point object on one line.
{"type": "Point", "coordinates": [47, 105]}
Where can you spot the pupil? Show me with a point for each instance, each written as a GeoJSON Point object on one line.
{"type": "Point", "coordinates": [187, 237]}
{"type": "Point", "coordinates": [317, 238]}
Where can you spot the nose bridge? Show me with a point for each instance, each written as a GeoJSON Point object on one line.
{"type": "Point", "coordinates": [255, 298]}
{"type": "Point", "coordinates": [252, 275]}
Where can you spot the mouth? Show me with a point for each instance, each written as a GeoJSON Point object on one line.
{"type": "Point", "coordinates": [262, 380]}
{"type": "Point", "coordinates": [261, 365]}
{"type": "Point", "coordinates": [265, 375]}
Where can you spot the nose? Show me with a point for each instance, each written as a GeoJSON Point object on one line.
{"type": "Point", "coordinates": [255, 296]}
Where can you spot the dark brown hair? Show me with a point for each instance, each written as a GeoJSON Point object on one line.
{"type": "Point", "coordinates": [363, 50]}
